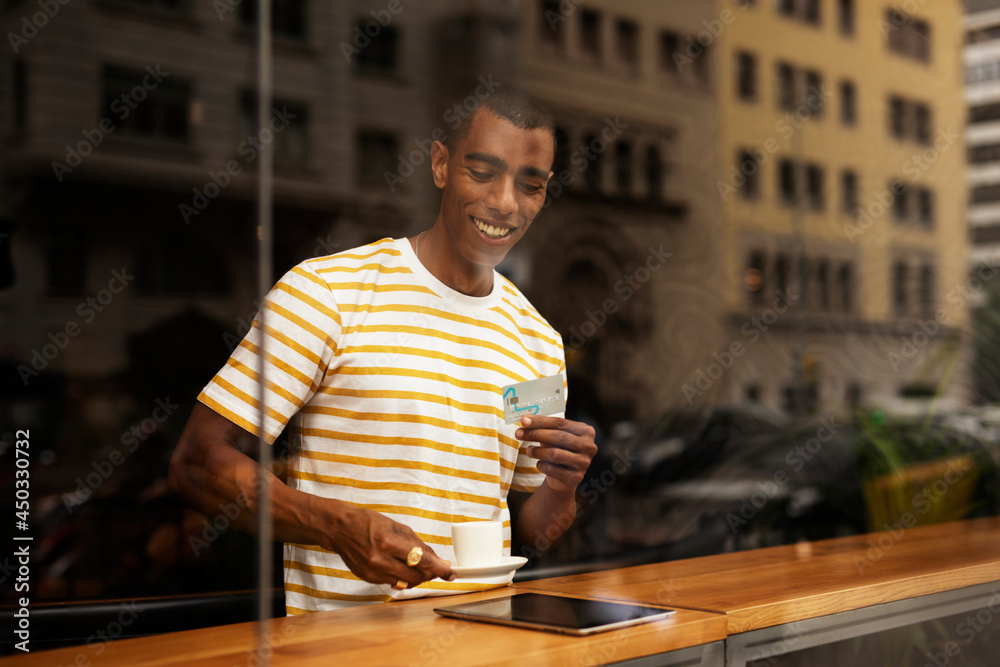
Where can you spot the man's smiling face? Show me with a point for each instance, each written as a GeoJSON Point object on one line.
{"type": "Point", "coordinates": [493, 182]}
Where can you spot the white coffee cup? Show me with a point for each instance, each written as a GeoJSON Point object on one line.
{"type": "Point", "coordinates": [477, 543]}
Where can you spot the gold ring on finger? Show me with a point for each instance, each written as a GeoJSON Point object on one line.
{"type": "Point", "coordinates": [414, 557]}
{"type": "Point", "coordinates": [400, 585]}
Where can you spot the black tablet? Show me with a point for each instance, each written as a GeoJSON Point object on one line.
{"type": "Point", "coordinates": [554, 613]}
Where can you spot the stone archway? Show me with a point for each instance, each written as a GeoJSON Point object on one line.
{"type": "Point", "coordinates": [581, 290]}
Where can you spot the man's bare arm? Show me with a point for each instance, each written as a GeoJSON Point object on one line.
{"type": "Point", "coordinates": [564, 451]}
{"type": "Point", "coordinates": [210, 471]}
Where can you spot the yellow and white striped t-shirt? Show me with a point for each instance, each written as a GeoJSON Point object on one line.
{"type": "Point", "coordinates": [392, 383]}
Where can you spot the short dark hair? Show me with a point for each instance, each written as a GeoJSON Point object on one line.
{"type": "Point", "coordinates": [513, 104]}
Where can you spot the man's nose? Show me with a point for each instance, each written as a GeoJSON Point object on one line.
{"type": "Point", "coordinates": [501, 196]}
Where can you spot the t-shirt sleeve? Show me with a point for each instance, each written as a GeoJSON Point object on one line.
{"type": "Point", "coordinates": [297, 327]}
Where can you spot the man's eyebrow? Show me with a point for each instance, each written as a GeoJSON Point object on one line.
{"type": "Point", "coordinates": [489, 159]}
{"type": "Point", "coordinates": [501, 164]}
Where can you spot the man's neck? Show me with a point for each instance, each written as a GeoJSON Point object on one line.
{"type": "Point", "coordinates": [471, 279]}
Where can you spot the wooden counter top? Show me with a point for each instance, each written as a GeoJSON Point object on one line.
{"type": "Point", "coordinates": [395, 633]}
{"type": "Point", "coordinates": [766, 587]}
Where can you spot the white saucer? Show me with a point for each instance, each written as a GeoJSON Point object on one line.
{"type": "Point", "coordinates": [506, 565]}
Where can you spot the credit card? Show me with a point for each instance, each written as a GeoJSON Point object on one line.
{"type": "Point", "coordinates": [542, 396]}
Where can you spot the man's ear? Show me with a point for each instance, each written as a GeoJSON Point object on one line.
{"type": "Point", "coordinates": [439, 163]}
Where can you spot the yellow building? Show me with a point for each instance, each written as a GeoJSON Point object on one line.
{"type": "Point", "coordinates": [843, 189]}
{"type": "Point", "coordinates": [811, 194]}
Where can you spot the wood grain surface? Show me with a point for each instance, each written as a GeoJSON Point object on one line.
{"type": "Point", "coordinates": [394, 633]}
{"type": "Point", "coordinates": [766, 587]}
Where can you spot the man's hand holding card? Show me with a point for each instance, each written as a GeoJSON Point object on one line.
{"type": "Point", "coordinates": [565, 447]}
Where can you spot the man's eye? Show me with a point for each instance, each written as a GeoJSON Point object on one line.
{"type": "Point", "coordinates": [480, 175]}
{"type": "Point", "coordinates": [531, 189]}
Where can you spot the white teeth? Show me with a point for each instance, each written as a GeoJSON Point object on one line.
{"type": "Point", "coordinates": [490, 230]}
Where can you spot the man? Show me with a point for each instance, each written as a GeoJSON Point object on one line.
{"type": "Point", "coordinates": [388, 361]}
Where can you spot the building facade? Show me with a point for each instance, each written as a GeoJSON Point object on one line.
{"type": "Point", "coordinates": [843, 161]}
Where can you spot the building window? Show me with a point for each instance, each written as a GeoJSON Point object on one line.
{"type": "Point", "coordinates": [849, 192]}
{"type": "Point", "coordinates": [912, 204]}
{"type": "Point", "coordinates": [669, 44]}
{"type": "Point", "coordinates": [786, 87]}
{"type": "Point", "coordinates": [907, 36]}
{"type": "Point", "coordinates": [382, 52]}
{"type": "Point", "coordinates": [814, 92]}
{"type": "Point", "coordinates": [787, 182]}
{"type": "Point", "coordinates": [746, 77]}
{"type": "Point", "coordinates": [19, 83]}
{"type": "Point", "coordinates": [982, 154]}
{"type": "Point", "coordinates": [654, 173]}
{"type": "Point", "coordinates": [288, 123]}
{"type": "Point", "coordinates": [925, 207]}
{"type": "Point", "coordinates": [901, 201]}
{"type": "Point", "coordinates": [590, 35]}
{"type": "Point", "coordinates": [628, 44]}
{"type": "Point", "coordinates": [984, 114]}
{"type": "Point", "coordinates": [846, 16]}
{"type": "Point", "coordinates": [376, 156]}
{"type": "Point", "coordinates": [749, 171]}
{"type": "Point", "coordinates": [922, 122]}
{"type": "Point", "coordinates": [823, 285]}
{"type": "Point", "coordinates": [985, 194]}
{"type": "Point", "coordinates": [623, 168]}
{"type": "Point", "coordinates": [782, 274]}
{"type": "Point", "coordinates": [927, 289]}
{"type": "Point", "coordinates": [807, 11]}
{"type": "Point", "coordinates": [900, 288]}
{"type": "Point", "coordinates": [987, 34]}
{"type": "Point", "coordinates": [560, 162]}
{"type": "Point", "coordinates": [909, 120]}
{"type": "Point", "coordinates": [288, 18]}
{"type": "Point", "coordinates": [845, 287]}
{"type": "Point", "coordinates": [814, 187]}
{"type": "Point", "coordinates": [161, 114]}
{"type": "Point", "coordinates": [550, 30]}
{"type": "Point", "coordinates": [754, 282]}
{"type": "Point", "coordinates": [897, 117]}
{"type": "Point", "coordinates": [810, 11]}
{"type": "Point", "coordinates": [848, 103]}
{"type": "Point", "coordinates": [683, 58]}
